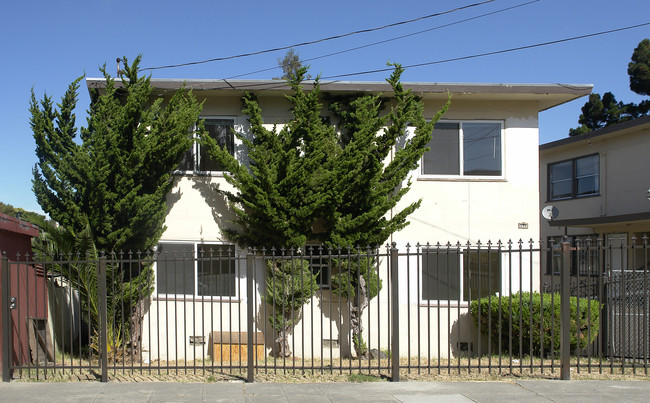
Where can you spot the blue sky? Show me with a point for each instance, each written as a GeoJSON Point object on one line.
{"type": "Point", "coordinates": [45, 45]}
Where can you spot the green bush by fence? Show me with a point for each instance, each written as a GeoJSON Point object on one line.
{"type": "Point", "coordinates": [524, 316]}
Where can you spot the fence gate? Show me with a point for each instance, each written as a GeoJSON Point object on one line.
{"type": "Point", "coordinates": [628, 300]}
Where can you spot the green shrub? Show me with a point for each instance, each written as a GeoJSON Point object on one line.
{"type": "Point", "coordinates": [514, 321]}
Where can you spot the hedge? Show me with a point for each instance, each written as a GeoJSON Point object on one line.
{"type": "Point", "coordinates": [513, 321]}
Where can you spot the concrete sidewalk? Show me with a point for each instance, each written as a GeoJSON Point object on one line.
{"type": "Point", "coordinates": [519, 391]}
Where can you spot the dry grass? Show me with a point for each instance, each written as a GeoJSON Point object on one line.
{"type": "Point", "coordinates": [291, 371]}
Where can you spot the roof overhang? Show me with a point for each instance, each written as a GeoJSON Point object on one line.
{"type": "Point", "coordinates": [546, 95]}
{"type": "Point", "coordinates": [619, 129]}
{"type": "Point", "coordinates": [596, 222]}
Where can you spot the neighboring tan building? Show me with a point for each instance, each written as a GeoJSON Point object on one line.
{"type": "Point", "coordinates": [479, 182]}
{"type": "Point", "coordinates": [599, 183]}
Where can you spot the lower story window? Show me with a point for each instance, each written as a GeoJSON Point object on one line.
{"type": "Point", "coordinates": [197, 269]}
{"type": "Point", "coordinates": [460, 275]}
{"type": "Point", "coordinates": [319, 264]}
{"type": "Point", "coordinates": [584, 261]}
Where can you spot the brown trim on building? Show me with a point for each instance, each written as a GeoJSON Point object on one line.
{"type": "Point", "coordinates": [582, 222]}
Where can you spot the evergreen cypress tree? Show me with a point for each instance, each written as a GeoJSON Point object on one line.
{"type": "Point", "coordinates": [110, 185]}
{"type": "Point", "coordinates": [117, 178]}
{"type": "Point", "coordinates": [310, 182]}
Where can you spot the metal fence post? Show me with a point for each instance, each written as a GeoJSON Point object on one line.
{"type": "Point", "coordinates": [565, 313]}
{"type": "Point", "coordinates": [394, 312]}
{"type": "Point", "coordinates": [6, 320]}
{"type": "Point", "coordinates": [250, 301]}
{"type": "Point", "coordinates": [103, 322]}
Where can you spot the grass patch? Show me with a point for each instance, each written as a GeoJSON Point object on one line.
{"type": "Point", "coordinates": [297, 370]}
{"type": "Point", "coordinates": [363, 378]}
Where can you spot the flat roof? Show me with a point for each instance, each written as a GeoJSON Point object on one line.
{"type": "Point", "coordinates": [17, 226]}
{"type": "Point", "coordinates": [547, 95]}
{"type": "Point", "coordinates": [619, 128]}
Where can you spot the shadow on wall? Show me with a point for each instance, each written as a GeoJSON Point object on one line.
{"type": "Point", "coordinates": [222, 213]}
{"type": "Point", "coordinates": [332, 315]}
{"type": "Point", "coordinates": [333, 309]}
{"type": "Point", "coordinates": [464, 339]}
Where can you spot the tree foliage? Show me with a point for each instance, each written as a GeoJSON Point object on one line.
{"type": "Point", "coordinates": [639, 68]}
{"type": "Point", "coordinates": [303, 184]}
{"type": "Point", "coordinates": [116, 179]}
{"type": "Point", "coordinates": [600, 112]}
{"type": "Point", "coordinates": [309, 180]}
{"type": "Point", "coordinates": [107, 188]}
{"type": "Point", "coordinates": [29, 216]}
{"type": "Point", "coordinates": [290, 65]}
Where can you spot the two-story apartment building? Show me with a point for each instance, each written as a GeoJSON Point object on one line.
{"type": "Point", "coordinates": [479, 182]}
{"type": "Point", "coordinates": [599, 184]}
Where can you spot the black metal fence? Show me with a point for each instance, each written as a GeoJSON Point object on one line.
{"type": "Point", "coordinates": [398, 311]}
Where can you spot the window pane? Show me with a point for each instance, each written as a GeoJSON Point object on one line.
{"type": "Point", "coordinates": [587, 186]}
{"type": "Point", "coordinates": [175, 269]}
{"type": "Point", "coordinates": [444, 156]}
{"type": "Point", "coordinates": [319, 265]}
{"type": "Point", "coordinates": [216, 270]}
{"type": "Point", "coordinates": [222, 131]}
{"type": "Point", "coordinates": [561, 180]}
{"type": "Point", "coordinates": [587, 166]}
{"type": "Point", "coordinates": [440, 275]}
{"type": "Point", "coordinates": [482, 149]}
{"type": "Point", "coordinates": [187, 160]}
{"type": "Point", "coordinates": [587, 175]}
{"type": "Point", "coordinates": [481, 274]}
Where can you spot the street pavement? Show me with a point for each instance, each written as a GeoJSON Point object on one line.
{"type": "Point", "coordinates": [453, 392]}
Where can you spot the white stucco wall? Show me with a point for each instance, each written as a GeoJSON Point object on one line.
{"type": "Point", "coordinates": [453, 210]}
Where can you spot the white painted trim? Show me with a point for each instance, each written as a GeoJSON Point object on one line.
{"type": "Point", "coordinates": [469, 178]}
{"type": "Point", "coordinates": [194, 296]}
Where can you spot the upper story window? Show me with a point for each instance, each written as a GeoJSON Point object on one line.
{"type": "Point", "coordinates": [465, 149]}
{"type": "Point", "coordinates": [573, 178]}
{"type": "Point", "coordinates": [197, 158]}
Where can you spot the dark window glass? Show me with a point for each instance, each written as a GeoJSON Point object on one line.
{"type": "Point", "coordinates": [444, 156]}
{"type": "Point", "coordinates": [440, 275]}
{"type": "Point", "coordinates": [481, 274]}
{"type": "Point", "coordinates": [319, 265]}
{"type": "Point", "coordinates": [561, 180]}
{"type": "Point", "coordinates": [175, 269]}
{"type": "Point", "coordinates": [220, 130]}
{"type": "Point", "coordinates": [587, 175]}
{"type": "Point", "coordinates": [187, 161]}
{"type": "Point", "coordinates": [574, 178]}
{"type": "Point", "coordinates": [482, 149]}
{"type": "Point", "coordinates": [216, 270]}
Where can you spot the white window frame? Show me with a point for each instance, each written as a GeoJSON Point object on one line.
{"type": "Point", "coordinates": [195, 257]}
{"type": "Point", "coordinates": [461, 175]}
{"type": "Point", "coordinates": [442, 251]}
{"type": "Point", "coordinates": [196, 153]}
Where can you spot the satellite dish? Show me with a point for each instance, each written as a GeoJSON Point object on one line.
{"type": "Point", "coordinates": [550, 212]}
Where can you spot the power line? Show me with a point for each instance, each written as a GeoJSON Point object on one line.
{"type": "Point", "coordinates": [455, 59]}
{"type": "Point", "coordinates": [362, 31]}
{"type": "Point", "coordinates": [282, 84]}
{"type": "Point", "coordinates": [392, 39]}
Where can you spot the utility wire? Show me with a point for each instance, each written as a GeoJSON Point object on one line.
{"type": "Point", "coordinates": [391, 39]}
{"type": "Point", "coordinates": [283, 84]}
{"type": "Point", "coordinates": [455, 59]}
{"type": "Point", "coordinates": [362, 31]}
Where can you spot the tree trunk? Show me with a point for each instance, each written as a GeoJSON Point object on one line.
{"type": "Point", "coordinates": [357, 306]}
